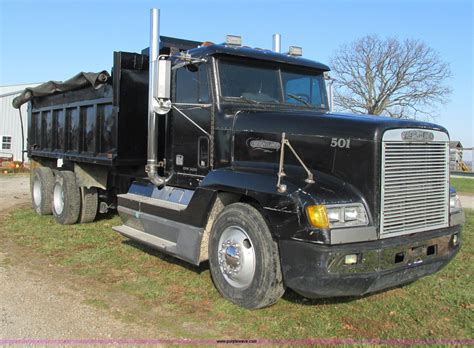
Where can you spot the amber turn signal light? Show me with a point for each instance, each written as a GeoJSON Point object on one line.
{"type": "Point", "coordinates": [317, 216]}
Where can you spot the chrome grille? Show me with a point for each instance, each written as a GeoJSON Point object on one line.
{"type": "Point", "coordinates": [415, 184]}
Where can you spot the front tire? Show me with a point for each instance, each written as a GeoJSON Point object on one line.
{"type": "Point", "coordinates": [244, 259]}
{"type": "Point", "coordinates": [42, 181]}
{"type": "Point", "coordinates": [66, 198]}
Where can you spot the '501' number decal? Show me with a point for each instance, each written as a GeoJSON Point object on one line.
{"type": "Point", "coordinates": [341, 143]}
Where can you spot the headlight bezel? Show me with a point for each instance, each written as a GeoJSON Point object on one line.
{"type": "Point", "coordinates": [337, 215]}
{"type": "Point", "coordinates": [454, 203]}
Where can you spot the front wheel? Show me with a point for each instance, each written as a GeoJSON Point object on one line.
{"type": "Point", "coordinates": [244, 259]}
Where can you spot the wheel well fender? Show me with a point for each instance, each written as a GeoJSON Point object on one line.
{"type": "Point", "coordinates": [222, 199]}
{"type": "Point", "coordinates": [90, 176]}
{"type": "Point", "coordinates": [258, 190]}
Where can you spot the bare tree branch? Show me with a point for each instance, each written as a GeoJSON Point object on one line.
{"type": "Point", "coordinates": [388, 77]}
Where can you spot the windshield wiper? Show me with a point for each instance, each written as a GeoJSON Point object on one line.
{"type": "Point", "coordinates": [249, 100]}
{"type": "Point", "coordinates": [300, 99]}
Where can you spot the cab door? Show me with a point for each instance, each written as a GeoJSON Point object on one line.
{"type": "Point", "coordinates": [190, 145]}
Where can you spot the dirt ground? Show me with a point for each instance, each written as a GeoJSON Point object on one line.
{"type": "Point", "coordinates": [35, 304]}
{"type": "Point", "coordinates": [467, 200]}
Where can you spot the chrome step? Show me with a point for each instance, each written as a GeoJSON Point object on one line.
{"type": "Point", "coordinates": [153, 201]}
{"type": "Point", "coordinates": [146, 238]}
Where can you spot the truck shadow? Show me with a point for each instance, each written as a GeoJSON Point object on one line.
{"type": "Point", "coordinates": [167, 258]}
{"type": "Point", "coordinates": [106, 216]}
{"type": "Point", "coordinates": [294, 297]}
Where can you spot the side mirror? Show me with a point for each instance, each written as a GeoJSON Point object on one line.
{"type": "Point", "coordinates": [161, 97]}
{"type": "Point", "coordinates": [163, 80]}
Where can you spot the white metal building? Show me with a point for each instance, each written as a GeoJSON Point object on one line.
{"type": "Point", "coordinates": [10, 126]}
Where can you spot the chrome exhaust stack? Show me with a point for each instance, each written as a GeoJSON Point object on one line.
{"type": "Point", "coordinates": [277, 43]}
{"type": "Point", "coordinates": [330, 90]}
{"type": "Point", "coordinates": [153, 103]}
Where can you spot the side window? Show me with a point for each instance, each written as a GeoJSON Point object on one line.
{"type": "Point", "coordinates": [298, 87]}
{"type": "Point", "coordinates": [6, 142]}
{"type": "Point", "coordinates": [316, 92]}
{"type": "Point", "coordinates": [192, 85]}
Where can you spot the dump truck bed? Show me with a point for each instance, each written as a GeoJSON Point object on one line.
{"type": "Point", "coordinates": [105, 125]}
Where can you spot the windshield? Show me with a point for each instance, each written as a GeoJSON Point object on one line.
{"type": "Point", "coordinates": [267, 83]}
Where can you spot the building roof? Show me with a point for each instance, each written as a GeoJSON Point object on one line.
{"type": "Point", "coordinates": [9, 90]}
{"type": "Point", "coordinates": [455, 143]}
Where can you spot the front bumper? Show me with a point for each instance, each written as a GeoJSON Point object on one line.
{"type": "Point", "coordinates": [316, 271]}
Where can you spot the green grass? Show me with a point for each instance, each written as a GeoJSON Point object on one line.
{"type": "Point", "coordinates": [463, 185]}
{"type": "Point", "coordinates": [168, 293]}
{"type": "Point", "coordinates": [13, 174]}
{"type": "Point", "coordinates": [96, 303]}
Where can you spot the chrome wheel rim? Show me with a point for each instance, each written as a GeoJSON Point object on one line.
{"type": "Point", "coordinates": [37, 198]}
{"type": "Point", "coordinates": [58, 198]}
{"type": "Point", "coordinates": [236, 257]}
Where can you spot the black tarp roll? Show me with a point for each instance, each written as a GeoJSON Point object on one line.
{"type": "Point", "coordinates": [81, 80]}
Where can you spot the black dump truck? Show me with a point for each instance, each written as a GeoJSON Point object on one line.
{"type": "Point", "coordinates": [230, 154]}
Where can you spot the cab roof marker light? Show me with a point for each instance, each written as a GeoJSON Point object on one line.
{"type": "Point", "coordinates": [295, 51]}
{"type": "Point", "coordinates": [233, 40]}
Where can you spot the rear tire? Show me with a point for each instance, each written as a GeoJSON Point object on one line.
{"type": "Point", "coordinates": [244, 258]}
{"type": "Point", "coordinates": [41, 186]}
{"type": "Point", "coordinates": [66, 198]}
{"type": "Point", "coordinates": [89, 204]}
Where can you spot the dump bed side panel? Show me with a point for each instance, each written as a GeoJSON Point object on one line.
{"type": "Point", "coordinates": [77, 125]}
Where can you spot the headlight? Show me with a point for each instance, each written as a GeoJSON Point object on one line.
{"type": "Point", "coordinates": [352, 213]}
{"type": "Point", "coordinates": [334, 214]}
{"type": "Point", "coordinates": [340, 215]}
{"type": "Point", "coordinates": [454, 204]}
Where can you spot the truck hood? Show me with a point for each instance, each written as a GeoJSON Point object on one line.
{"type": "Point", "coordinates": [354, 161]}
{"type": "Point", "coordinates": [362, 127]}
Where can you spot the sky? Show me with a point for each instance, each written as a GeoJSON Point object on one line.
{"type": "Point", "coordinates": [46, 40]}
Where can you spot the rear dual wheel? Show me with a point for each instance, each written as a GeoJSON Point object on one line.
{"type": "Point", "coordinates": [72, 204]}
{"type": "Point", "coordinates": [41, 185]}
{"type": "Point", "coordinates": [89, 204]}
{"type": "Point", "coordinates": [66, 198]}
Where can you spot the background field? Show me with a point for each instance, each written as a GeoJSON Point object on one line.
{"type": "Point", "coordinates": [141, 285]}
{"type": "Point", "coordinates": [463, 185]}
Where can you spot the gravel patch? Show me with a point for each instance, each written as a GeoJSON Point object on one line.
{"type": "Point", "coordinates": [34, 304]}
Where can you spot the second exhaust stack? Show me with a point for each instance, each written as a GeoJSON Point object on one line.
{"type": "Point", "coordinates": [277, 43]}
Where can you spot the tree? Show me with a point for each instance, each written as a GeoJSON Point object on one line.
{"type": "Point", "coordinates": [389, 77]}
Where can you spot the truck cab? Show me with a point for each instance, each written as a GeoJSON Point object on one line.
{"type": "Point", "coordinates": [218, 84]}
